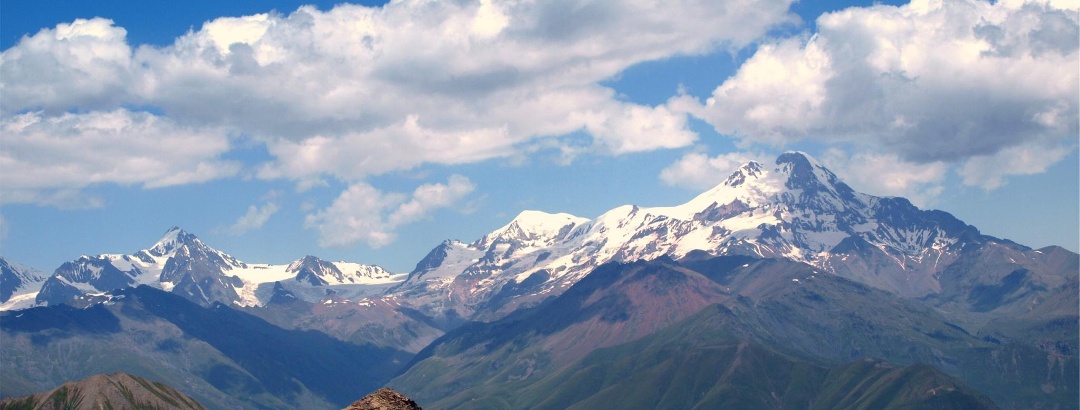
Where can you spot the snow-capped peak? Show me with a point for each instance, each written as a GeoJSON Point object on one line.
{"type": "Point", "coordinates": [802, 171]}
{"type": "Point", "coordinates": [171, 240]}
{"type": "Point", "coordinates": [534, 226]}
{"type": "Point", "coordinates": [307, 261]}
{"type": "Point", "coordinates": [749, 170]}
{"type": "Point", "coordinates": [182, 264]}
{"type": "Point", "coordinates": [318, 272]}
{"type": "Point", "coordinates": [22, 272]}
{"type": "Point", "coordinates": [796, 179]}
{"type": "Point", "coordinates": [751, 185]}
{"type": "Point", "coordinates": [813, 186]}
{"type": "Point", "coordinates": [793, 208]}
{"type": "Point", "coordinates": [18, 284]}
{"type": "Point", "coordinates": [544, 223]}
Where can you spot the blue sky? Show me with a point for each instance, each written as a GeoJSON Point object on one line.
{"type": "Point", "coordinates": [372, 132]}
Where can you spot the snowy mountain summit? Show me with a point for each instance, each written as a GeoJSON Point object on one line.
{"type": "Point", "coordinates": [172, 240]}
{"type": "Point", "coordinates": [16, 279]}
{"type": "Point", "coordinates": [181, 263]}
{"type": "Point", "coordinates": [795, 209]}
{"type": "Point", "coordinates": [799, 209]}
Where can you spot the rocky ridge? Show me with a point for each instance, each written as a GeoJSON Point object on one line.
{"type": "Point", "coordinates": [384, 399]}
{"type": "Point", "coordinates": [181, 263]}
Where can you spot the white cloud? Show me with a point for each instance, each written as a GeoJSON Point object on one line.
{"type": "Point", "coordinates": [776, 95]}
{"type": "Point", "coordinates": [698, 171]}
{"type": "Point", "coordinates": [637, 129]}
{"type": "Point", "coordinates": [884, 174]}
{"type": "Point", "coordinates": [429, 197]}
{"type": "Point", "coordinates": [363, 213]}
{"type": "Point", "coordinates": [401, 146]}
{"type": "Point", "coordinates": [85, 65]}
{"type": "Point", "coordinates": [50, 159]}
{"type": "Point", "coordinates": [929, 81]}
{"type": "Point", "coordinates": [255, 217]}
{"type": "Point", "coordinates": [360, 91]}
{"type": "Point", "coordinates": [4, 227]}
{"type": "Point", "coordinates": [989, 171]}
{"type": "Point", "coordinates": [357, 214]}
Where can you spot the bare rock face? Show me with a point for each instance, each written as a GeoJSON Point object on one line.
{"type": "Point", "coordinates": [384, 399]}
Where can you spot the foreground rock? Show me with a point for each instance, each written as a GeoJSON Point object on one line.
{"type": "Point", "coordinates": [113, 391]}
{"type": "Point", "coordinates": [384, 399]}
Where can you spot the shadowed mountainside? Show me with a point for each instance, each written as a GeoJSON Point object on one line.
{"type": "Point", "coordinates": [223, 357]}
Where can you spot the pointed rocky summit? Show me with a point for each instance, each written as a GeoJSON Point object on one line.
{"type": "Point", "coordinates": [384, 399]}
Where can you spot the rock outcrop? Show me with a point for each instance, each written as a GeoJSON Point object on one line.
{"type": "Point", "coordinates": [384, 399]}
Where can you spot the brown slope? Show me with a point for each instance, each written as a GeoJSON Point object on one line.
{"type": "Point", "coordinates": [646, 298]}
{"type": "Point", "coordinates": [614, 304]}
{"type": "Point", "coordinates": [117, 390]}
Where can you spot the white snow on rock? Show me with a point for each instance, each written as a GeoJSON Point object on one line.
{"type": "Point", "coordinates": [795, 209]}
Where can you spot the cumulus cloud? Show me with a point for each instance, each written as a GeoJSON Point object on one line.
{"type": "Point", "coordinates": [429, 197]}
{"type": "Point", "coordinates": [699, 171]}
{"type": "Point", "coordinates": [886, 174]}
{"type": "Point", "coordinates": [488, 74]}
{"type": "Point", "coordinates": [989, 171]}
{"type": "Point", "coordinates": [50, 159]}
{"type": "Point", "coordinates": [930, 81]}
{"type": "Point", "coordinates": [255, 217]}
{"type": "Point", "coordinates": [85, 64]}
{"type": "Point", "coordinates": [355, 91]}
{"type": "Point", "coordinates": [364, 213]}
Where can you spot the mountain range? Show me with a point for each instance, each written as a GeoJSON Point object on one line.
{"type": "Point", "coordinates": [181, 263]}
{"type": "Point", "coordinates": [784, 262]}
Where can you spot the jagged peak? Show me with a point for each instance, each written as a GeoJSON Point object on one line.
{"type": "Point", "coordinates": [751, 184]}
{"type": "Point", "coordinates": [802, 169]}
{"type": "Point", "coordinates": [796, 178]}
{"type": "Point", "coordinates": [23, 273]}
{"type": "Point", "coordinates": [307, 260]}
{"type": "Point", "coordinates": [435, 257]}
{"type": "Point", "coordinates": [171, 240]}
{"type": "Point", "coordinates": [173, 232]}
{"type": "Point", "coordinates": [19, 267]}
{"type": "Point", "coordinates": [803, 172]}
{"type": "Point", "coordinates": [749, 170]}
{"type": "Point", "coordinates": [450, 243]}
{"type": "Point", "coordinates": [797, 156]}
